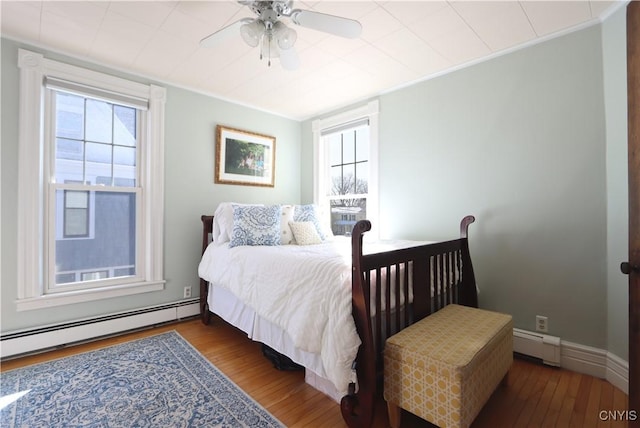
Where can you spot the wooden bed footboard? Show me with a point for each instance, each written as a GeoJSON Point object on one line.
{"type": "Point", "coordinates": [429, 276]}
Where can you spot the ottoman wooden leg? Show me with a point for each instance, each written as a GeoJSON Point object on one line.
{"type": "Point", "coordinates": [395, 413]}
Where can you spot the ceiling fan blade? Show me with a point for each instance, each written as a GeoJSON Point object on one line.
{"type": "Point", "coordinates": [332, 24]}
{"type": "Point", "coordinates": [289, 59]}
{"type": "Point", "coordinates": [223, 34]}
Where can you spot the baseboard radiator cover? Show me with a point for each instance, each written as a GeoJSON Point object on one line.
{"type": "Point", "coordinates": [537, 345]}
{"type": "Point", "coordinates": [27, 341]}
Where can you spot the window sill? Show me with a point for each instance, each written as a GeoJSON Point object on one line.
{"type": "Point", "coordinates": [81, 296]}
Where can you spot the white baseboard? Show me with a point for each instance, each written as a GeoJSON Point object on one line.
{"type": "Point", "coordinates": [618, 372]}
{"type": "Point", "coordinates": [32, 340]}
{"type": "Point", "coordinates": [573, 356]}
{"type": "Point", "coordinates": [597, 363]}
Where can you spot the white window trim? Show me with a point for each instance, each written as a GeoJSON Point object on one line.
{"type": "Point", "coordinates": [370, 111]}
{"type": "Point", "coordinates": [34, 67]}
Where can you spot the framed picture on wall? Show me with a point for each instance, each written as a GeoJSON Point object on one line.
{"type": "Point", "coordinates": [244, 158]}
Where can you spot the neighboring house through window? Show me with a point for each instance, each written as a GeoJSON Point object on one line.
{"type": "Point", "coordinates": [91, 185]}
{"type": "Point", "coordinates": [345, 173]}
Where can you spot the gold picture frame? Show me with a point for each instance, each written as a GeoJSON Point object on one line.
{"type": "Point", "coordinates": [244, 158]}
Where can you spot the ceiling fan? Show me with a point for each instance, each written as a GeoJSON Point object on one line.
{"type": "Point", "coordinates": [275, 38]}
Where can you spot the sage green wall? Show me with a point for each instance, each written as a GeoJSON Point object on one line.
{"type": "Point", "coordinates": [520, 142]}
{"type": "Point", "coordinates": [189, 189]}
{"type": "Point", "coordinates": [615, 93]}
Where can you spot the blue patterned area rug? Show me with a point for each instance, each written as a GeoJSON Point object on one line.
{"type": "Point", "coordinates": [159, 381]}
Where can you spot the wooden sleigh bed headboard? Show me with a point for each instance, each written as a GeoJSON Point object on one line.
{"type": "Point", "coordinates": [437, 274]}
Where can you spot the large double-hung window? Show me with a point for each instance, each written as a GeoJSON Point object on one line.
{"type": "Point", "coordinates": [346, 167]}
{"type": "Point", "coordinates": [91, 172]}
{"type": "Point", "coordinates": [94, 190]}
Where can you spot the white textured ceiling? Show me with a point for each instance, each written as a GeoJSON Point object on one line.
{"type": "Point", "coordinates": [401, 42]}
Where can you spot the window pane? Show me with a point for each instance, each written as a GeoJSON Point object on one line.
{"type": "Point", "coordinates": [335, 149]}
{"type": "Point", "coordinates": [125, 156]}
{"type": "Point", "coordinates": [348, 179]}
{"type": "Point", "coordinates": [345, 213]}
{"type": "Point", "coordinates": [336, 181]}
{"type": "Point", "coordinates": [76, 223]}
{"type": "Point", "coordinates": [74, 199]}
{"type": "Point", "coordinates": [69, 161]}
{"type": "Point", "coordinates": [98, 163]}
{"type": "Point", "coordinates": [362, 144]}
{"type": "Point", "coordinates": [124, 126]}
{"type": "Point", "coordinates": [99, 121]}
{"type": "Point", "coordinates": [124, 166]}
{"type": "Point", "coordinates": [342, 180]}
{"type": "Point", "coordinates": [69, 116]}
{"type": "Point", "coordinates": [348, 147]}
{"type": "Point", "coordinates": [362, 177]}
{"type": "Point", "coordinates": [110, 248]}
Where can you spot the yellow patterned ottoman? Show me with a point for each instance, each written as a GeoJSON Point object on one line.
{"type": "Point", "coordinates": [445, 367]}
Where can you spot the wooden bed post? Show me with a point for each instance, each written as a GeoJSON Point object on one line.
{"type": "Point", "coordinates": [468, 292]}
{"type": "Point", "coordinates": [207, 227]}
{"type": "Point", "coordinates": [357, 407]}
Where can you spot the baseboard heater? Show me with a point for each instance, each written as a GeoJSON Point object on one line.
{"type": "Point", "coordinates": [537, 345]}
{"type": "Point", "coordinates": [53, 336]}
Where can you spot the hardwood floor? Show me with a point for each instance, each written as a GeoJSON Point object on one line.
{"type": "Point", "coordinates": [534, 395]}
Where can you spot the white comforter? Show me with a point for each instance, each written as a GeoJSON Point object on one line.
{"type": "Point", "coordinates": [305, 290]}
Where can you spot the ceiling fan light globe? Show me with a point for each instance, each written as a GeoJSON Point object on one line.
{"type": "Point", "coordinates": [286, 37]}
{"type": "Point", "coordinates": [252, 32]}
{"type": "Point", "coordinates": [289, 59]}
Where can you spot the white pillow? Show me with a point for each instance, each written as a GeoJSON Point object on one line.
{"type": "Point", "coordinates": [223, 221]}
{"type": "Point", "coordinates": [305, 233]}
{"type": "Point", "coordinates": [255, 225]}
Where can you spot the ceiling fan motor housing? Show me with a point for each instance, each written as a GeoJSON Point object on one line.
{"type": "Point", "coordinates": [274, 9]}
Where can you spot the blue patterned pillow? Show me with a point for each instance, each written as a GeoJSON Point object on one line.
{"type": "Point", "coordinates": [309, 213]}
{"type": "Point", "coordinates": [255, 225]}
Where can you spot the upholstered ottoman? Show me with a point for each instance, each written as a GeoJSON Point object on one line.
{"type": "Point", "coordinates": [445, 367]}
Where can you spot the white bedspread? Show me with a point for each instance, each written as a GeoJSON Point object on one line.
{"type": "Point", "coordinates": [305, 290]}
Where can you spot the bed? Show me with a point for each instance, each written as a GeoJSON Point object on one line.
{"type": "Point", "coordinates": [274, 292]}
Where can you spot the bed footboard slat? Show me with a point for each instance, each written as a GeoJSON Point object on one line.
{"type": "Point", "coordinates": [407, 313]}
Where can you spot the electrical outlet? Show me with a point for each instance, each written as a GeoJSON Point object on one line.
{"type": "Point", "coordinates": [542, 324]}
{"type": "Point", "coordinates": [187, 292]}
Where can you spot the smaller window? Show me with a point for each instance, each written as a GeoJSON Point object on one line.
{"type": "Point", "coordinates": [348, 187]}
{"type": "Point", "coordinates": [345, 183]}
{"type": "Point", "coordinates": [76, 214]}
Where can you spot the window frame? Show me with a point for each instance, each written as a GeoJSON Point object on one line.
{"type": "Point", "coordinates": [321, 173]}
{"type": "Point", "coordinates": [34, 166]}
